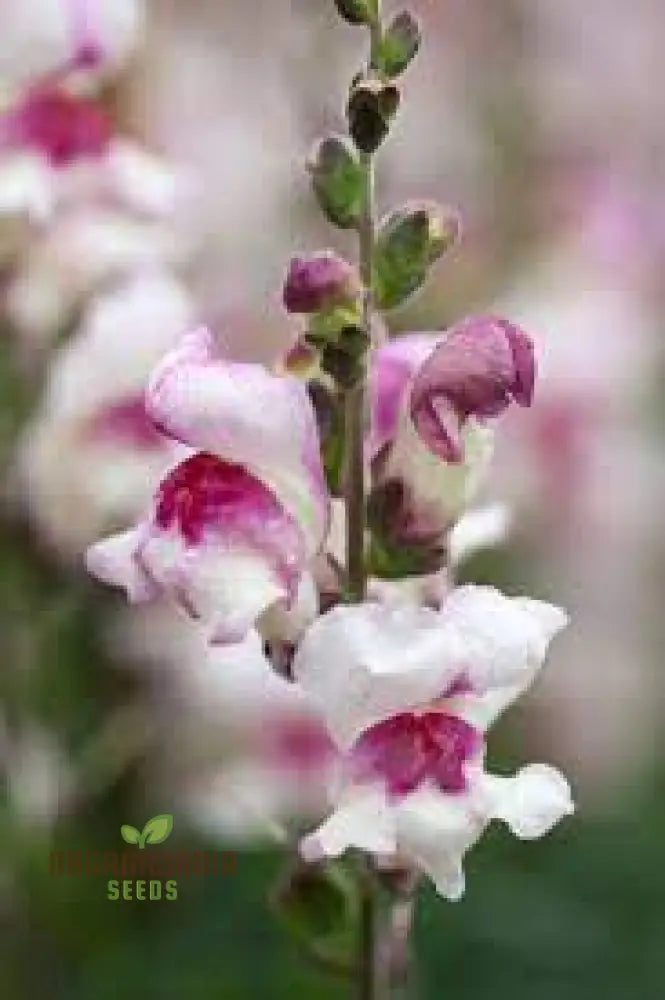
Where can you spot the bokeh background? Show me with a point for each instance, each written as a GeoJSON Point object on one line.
{"type": "Point", "coordinates": [543, 121]}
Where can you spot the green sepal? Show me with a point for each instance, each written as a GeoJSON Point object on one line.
{"type": "Point", "coordinates": [399, 44]}
{"type": "Point", "coordinates": [409, 241]}
{"type": "Point", "coordinates": [337, 180]}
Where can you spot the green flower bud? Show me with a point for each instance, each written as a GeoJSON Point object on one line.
{"type": "Point", "coordinates": [358, 11]}
{"type": "Point", "coordinates": [400, 43]}
{"type": "Point", "coordinates": [410, 239]}
{"type": "Point", "coordinates": [372, 106]}
{"type": "Point", "coordinates": [337, 179]}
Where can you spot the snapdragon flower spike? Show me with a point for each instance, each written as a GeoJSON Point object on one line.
{"type": "Point", "coordinates": [433, 398]}
{"type": "Point", "coordinates": [234, 524]}
{"type": "Point", "coordinates": [408, 694]}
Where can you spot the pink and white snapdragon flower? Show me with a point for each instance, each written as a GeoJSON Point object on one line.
{"type": "Point", "coordinates": [234, 525]}
{"type": "Point", "coordinates": [434, 396]}
{"type": "Point", "coordinates": [408, 694]}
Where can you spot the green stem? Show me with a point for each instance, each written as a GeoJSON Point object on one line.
{"type": "Point", "coordinates": [370, 982]}
{"type": "Point", "coordinates": [369, 987]}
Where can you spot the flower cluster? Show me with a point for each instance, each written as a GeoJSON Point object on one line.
{"type": "Point", "coordinates": [236, 532]}
{"type": "Point", "coordinates": [238, 478]}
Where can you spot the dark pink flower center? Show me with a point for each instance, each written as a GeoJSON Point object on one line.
{"type": "Point", "coordinates": [126, 422]}
{"type": "Point", "coordinates": [61, 126]}
{"type": "Point", "coordinates": [410, 748]}
{"type": "Point", "coordinates": [208, 499]}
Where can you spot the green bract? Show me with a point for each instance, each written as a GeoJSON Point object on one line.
{"type": "Point", "coordinates": [410, 239]}
{"type": "Point", "coordinates": [358, 11]}
{"type": "Point", "coordinates": [337, 179]}
{"type": "Point", "coordinates": [400, 43]}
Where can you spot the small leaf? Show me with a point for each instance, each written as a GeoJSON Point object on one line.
{"type": "Point", "coordinates": [337, 179]}
{"type": "Point", "coordinates": [157, 829]}
{"type": "Point", "coordinates": [410, 239]}
{"type": "Point", "coordinates": [399, 44]}
{"type": "Point", "coordinates": [130, 834]}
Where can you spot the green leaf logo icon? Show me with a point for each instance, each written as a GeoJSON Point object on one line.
{"type": "Point", "coordinates": [155, 831]}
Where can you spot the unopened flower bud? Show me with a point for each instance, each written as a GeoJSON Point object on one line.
{"type": "Point", "coordinates": [358, 11]}
{"type": "Point", "coordinates": [338, 180]}
{"type": "Point", "coordinates": [478, 369]}
{"type": "Point", "coordinates": [372, 106]}
{"type": "Point", "coordinates": [410, 239]}
{"type": "Point", "coordinates": [319, 282]}
{"type": "Point", "coordinates": [400, 43]}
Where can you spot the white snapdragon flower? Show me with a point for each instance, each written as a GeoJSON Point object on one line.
{"type": "Point", "coordinates": [408, 694]}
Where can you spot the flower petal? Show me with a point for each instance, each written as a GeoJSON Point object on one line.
{"type": "Point", "coordinates": [226, 587]}
{"type": "Point", "coordinates": [392, 368]}
{"type": "Point", "coordinates": [477, 369]}
{"type": "Point", "coordinates": [504, 642]}
{"type": "Point", "coordinates": [434, 831]}
{"type": "Point", "coordinates": [243, 414]}
{"type": "Point", "coordinates": [113, 561]}
{"type": "Point", "coordinates": [531, 802]}
{"type": "Point", "coordinates": [363, 819]}
{"type": "Point", "coordinates": [363, 663]}
{"type": "Point", "coordinates": [482, 528]}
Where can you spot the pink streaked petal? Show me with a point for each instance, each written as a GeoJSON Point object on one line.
{"type": "Point", "coordinates": [478, 369]}
{"type": "Point", "coordinates": [392, 369]}
{"type": "Point", "coordinates": [206, 500]}
{"type": "Point", "coordinates": [115, 561]}
{"type": "Point", "coordinates": [247, 416]}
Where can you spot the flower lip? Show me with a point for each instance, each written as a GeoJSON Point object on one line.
{"type": "Point", "coordinates": [478, 369]}
{"type": "Point", "coordinates": [412, 748]}
{"type": "Point", "coordinates": [203, 493]}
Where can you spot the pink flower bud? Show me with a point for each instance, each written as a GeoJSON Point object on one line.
{"type": "Point", "coordinates": [479, 368]}
{"type": "Point", "coordinates": [319, 282]}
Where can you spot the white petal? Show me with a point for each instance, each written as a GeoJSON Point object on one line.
{"type": "Point", "coordinates": [531, 802]}
{"type": "Point", "coordinates": [140, 181]}
{"type": "Point", "coordinates": [363, 819]}
{"type": "Point", "coordinates": [434, 831]}
{"type": "Point", "coordinates": [439, 491]}
{"type": "Point", "coordinates": [227, 589]}
{"type": "Point", "coordinates": [362, 663]}
{"type": "Point", "coordinates": [482, 528]}
{"type": "Point", "coordinates": [286, 623]}
{"type": "Point", "coordinates": [504, 641]}
{"type": "Point", "coordinates": [113, 561]}
{"type": "Point", "coordinates": [26, 187]}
